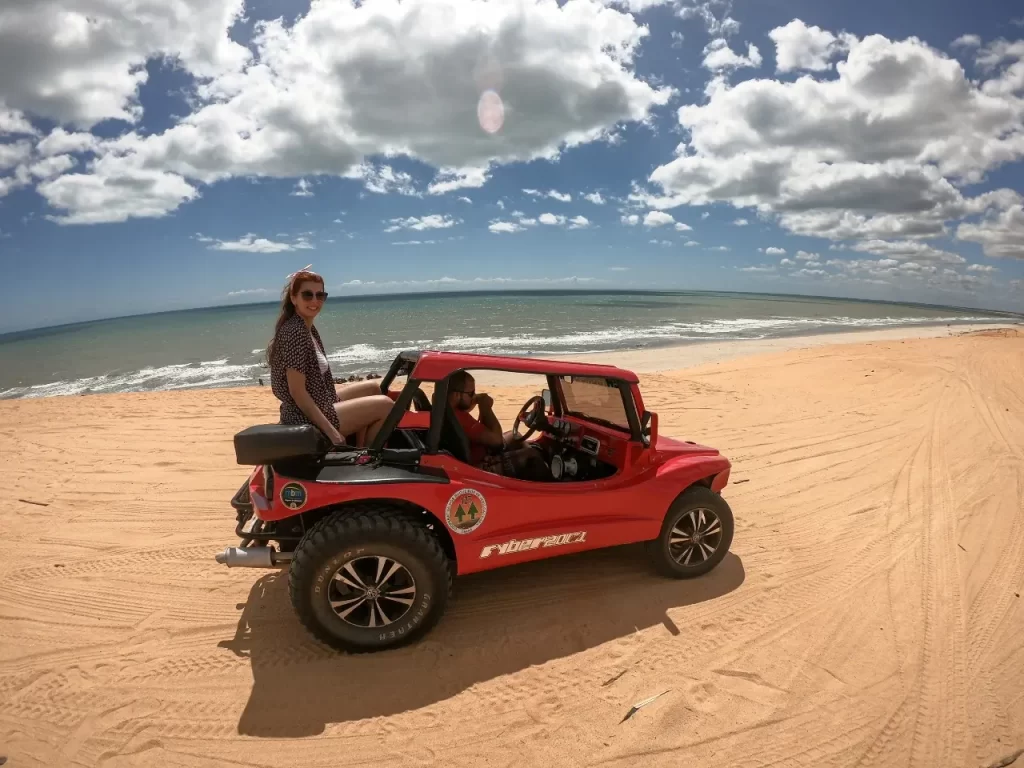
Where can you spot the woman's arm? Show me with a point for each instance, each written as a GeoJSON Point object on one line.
{"type": "Point", "coordinates": [297, 389]}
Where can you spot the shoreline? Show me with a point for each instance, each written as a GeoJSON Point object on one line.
{"type": "Point", "coordinates": [700, 353]}
{"type": "Point", "coordinates": [662, 358]}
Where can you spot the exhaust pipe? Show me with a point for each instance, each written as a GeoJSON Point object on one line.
{"type": "Point", "coordinates": [253, 557]}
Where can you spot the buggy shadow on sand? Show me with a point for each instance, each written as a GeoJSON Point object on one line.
{"type": "Point", "coordinates": [373, 537]}
{"type": "Point", "coordinates": [500, 623]}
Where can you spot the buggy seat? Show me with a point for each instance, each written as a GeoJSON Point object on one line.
{"type": "Point", "coordinates": [453, 436]}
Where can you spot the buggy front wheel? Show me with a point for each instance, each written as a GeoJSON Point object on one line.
{"type": "Point", "coordinates": [695, 535]}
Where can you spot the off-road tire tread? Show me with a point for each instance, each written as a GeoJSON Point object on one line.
{"type": "Point", "coordinates": [390, 522]}
{"type": "Point", "coordinates": [698, 494]}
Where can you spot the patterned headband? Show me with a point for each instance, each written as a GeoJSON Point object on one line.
{"type": "Point", "coordinates": [291, 277]}
{"type": "Point", "coordinates": [293, 274]}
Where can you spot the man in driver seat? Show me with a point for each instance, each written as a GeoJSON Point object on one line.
{"type": "Point", "coordinates": [490, 449]}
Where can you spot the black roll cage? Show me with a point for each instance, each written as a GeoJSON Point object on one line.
{"type": "Point", "coordinates": [404, 364]}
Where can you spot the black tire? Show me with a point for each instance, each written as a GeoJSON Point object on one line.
{"type": "Point", "coordinates": [355, 539]}
{"type": "Point", "coordinates": [670, 558]}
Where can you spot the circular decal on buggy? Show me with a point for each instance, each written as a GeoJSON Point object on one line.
{"type": "Point", "coordinates": [293, 496]}
{"type": "Point", "coordinates": [465, 511]}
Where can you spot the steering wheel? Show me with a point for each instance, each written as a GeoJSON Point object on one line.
{"type": "Point", "coordinates": [531, 414]}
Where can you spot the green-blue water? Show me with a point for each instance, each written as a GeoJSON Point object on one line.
{"type": "Point", "coordinates": [224, 346]}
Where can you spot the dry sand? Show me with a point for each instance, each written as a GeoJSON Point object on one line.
{"type": "Point", "coordinates": [869, 614]}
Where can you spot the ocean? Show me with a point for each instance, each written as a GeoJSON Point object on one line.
{"type": "Point", "coordinates": [225, 346]}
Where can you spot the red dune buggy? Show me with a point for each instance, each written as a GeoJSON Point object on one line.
{"type": "Point", "coordinates": [373, 536]}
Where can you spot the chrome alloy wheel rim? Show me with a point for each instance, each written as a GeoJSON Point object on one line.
{"type": "Point", "coordinates": [695, 537]}
{"type": "Point", "coordinates": [373, 591]}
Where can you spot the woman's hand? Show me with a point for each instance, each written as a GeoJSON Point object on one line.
{"type": "Point", "coordinates": [335, 436]}
{"type": "Point", "coordinates": [297, 389]}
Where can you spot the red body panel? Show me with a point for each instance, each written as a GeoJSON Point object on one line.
{"type": "Point", "coordinates": [521, 519]}
{"type": "Point", "coordinates": [415, 420]}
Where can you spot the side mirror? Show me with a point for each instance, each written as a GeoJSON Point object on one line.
{"type": "Point", "coordinates": [649, 428]}
{"type": "Point", "coordinates": [546, 394]}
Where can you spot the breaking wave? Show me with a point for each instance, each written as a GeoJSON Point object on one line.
{"type": "Point", "coordinates": [215, 373]}
{"type": "Point", "coordinates": [611, 339]}
{"type": "Point", "coordinates": [363, 358]}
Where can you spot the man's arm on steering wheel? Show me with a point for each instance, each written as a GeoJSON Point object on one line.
{"type": "Point", "coordinates": [491, 435]}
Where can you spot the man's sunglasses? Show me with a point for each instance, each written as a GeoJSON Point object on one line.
{"type": "Point", "coordinates": [308, 295]}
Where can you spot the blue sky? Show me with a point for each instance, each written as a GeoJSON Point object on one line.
{"type": "Point", "coordinates": [194, 154]}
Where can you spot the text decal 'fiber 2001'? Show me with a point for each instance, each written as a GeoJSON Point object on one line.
{"type": "Point", "coordinates": [515, 545]}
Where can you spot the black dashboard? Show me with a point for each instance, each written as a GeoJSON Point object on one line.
{"type": "Point", "coordinates": [574, 454]}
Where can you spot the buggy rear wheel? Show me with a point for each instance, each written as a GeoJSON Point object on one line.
{"type": "Point", "coordinates": [368, 579]}
{"type": "Point", "coordinates": [695, 535]}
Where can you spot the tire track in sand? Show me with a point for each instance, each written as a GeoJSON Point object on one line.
{"type": "Point", "coordinates": [989, 610]}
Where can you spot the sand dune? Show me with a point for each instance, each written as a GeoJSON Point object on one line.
{"type": "Point", "coordinates": [869, 614]}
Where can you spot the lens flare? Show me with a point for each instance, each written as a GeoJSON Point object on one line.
{"type": "Point", "coordinates": [490, 111]}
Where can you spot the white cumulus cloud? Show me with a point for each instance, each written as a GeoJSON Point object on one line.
{"type": "Point", "coordinates": [407, 81]}
{"type": "Point", "coordinates": [554, 194]}
{"type": "Point", "coordinates": [451, 179]}
{"type": "Point", "coordinates": [1001, 235]}
{"type": "Point", "coordinates": [131, 192]}
{"type": "Point", "coordinates": [914, 250]}
{"type": "Point", "coordinates": [14, 154]}
{"type": "Point", "coordinates": [658, 219]}
{"type": "Point", "coordinates": [719, 57]}
{"type": "Point", "coordinates": [967, 41]}
{"type": "Point", "coordinates": [505, 227]}
{"type": "Point", "coordinates": [880, 151]}
{"type": "Point", "coordinates": [551, 219]}
{"type": "Point", "coordinates": [251, 243]}
{"type": "Point", "coordinates": [798, 46]}
{"type": "Point", "coordinates": [420, 223]}
{"type": "Point", "coordinates": [79, 62]}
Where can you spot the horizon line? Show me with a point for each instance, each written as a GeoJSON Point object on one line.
{"type": "Point", "coordinates": [505, 291]}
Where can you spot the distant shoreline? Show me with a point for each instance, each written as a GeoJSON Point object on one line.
{"type": "Point", "coordinates": [675, 358]}
{"type": "Point", "coordinates": [653, 360]}
{"type": "Point", "coordinates": [669, 358]}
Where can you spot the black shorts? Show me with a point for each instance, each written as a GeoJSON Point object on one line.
{"type": "Point", "coordinates": [498, 464]}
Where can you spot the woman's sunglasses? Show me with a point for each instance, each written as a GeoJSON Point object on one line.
{"type": "Point", "coordinates": [309, 295]}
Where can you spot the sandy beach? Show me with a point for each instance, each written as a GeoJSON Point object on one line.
{"type": "Point", "coordinates": [869, 614]}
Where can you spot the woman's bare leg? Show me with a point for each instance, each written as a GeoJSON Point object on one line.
{"type": "Point", "coordinates": [352, 389]}
{"type": "Point", "coordinates": [363, 415]}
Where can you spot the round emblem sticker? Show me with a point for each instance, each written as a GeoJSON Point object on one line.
{"type": "Point", "coordinates": [293, 496]}
{"type": "Point", "coordinates": [465, 511]}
